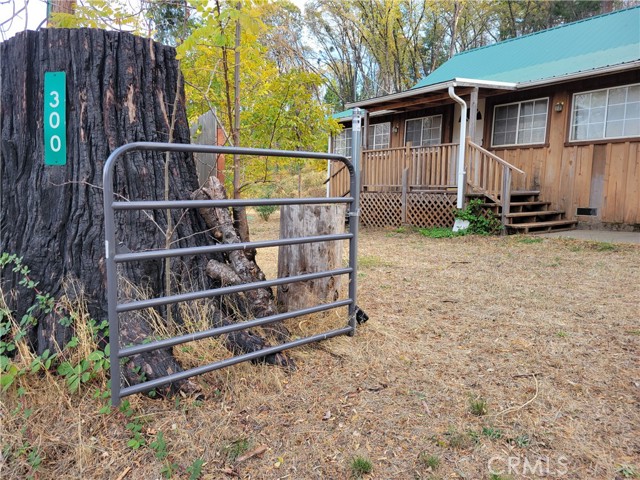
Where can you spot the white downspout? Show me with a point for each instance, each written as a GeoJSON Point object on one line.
{"type": "Point", "coordinates": [462, 175]}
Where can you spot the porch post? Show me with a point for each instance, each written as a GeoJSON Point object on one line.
{"type": "Point", "coordinates": [365, 130]}
{"type": "Point", "coordinates": [473, 113]}
{"type": "Point", "coordinates": [405, 189]}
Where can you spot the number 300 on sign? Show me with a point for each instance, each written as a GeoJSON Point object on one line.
{"type": "Point", "coordinates": [55, 137]}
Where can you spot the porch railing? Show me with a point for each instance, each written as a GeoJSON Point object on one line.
{"type": "Point", "coordinates": [432, 168]}
{"type": "Point", "coordinates": [490, 175]}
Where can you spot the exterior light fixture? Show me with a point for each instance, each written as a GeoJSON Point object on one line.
{"type": "Point", "coordinates": [558, 106]}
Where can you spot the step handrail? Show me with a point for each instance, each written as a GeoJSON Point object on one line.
{"type": "Point", "coordinates": [504, 200]}
{"type": "Point", "coordinates": [496, 158]}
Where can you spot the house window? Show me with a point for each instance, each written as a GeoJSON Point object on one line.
{"type": "Point", "coordinates": [343, 143]}
{"type": "Point", "coordinates": [520, 123]}
{"type": "Point", "coordinates": [606, 113]}
{"type": "Point", "coordinates": [424, 131]}
{"type": "Point", "coordinates": [379, 136]}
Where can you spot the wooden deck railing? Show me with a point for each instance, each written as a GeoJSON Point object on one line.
{"type": "Point", "coordinates": [338, 180]}
{"type": "Point", "coordinates": [490, 175]}
{"type": "Point", "coordinates": [430, 167]}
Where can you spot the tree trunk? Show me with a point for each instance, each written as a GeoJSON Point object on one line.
{"type": "Point", "coordinates": [119, 89]}
{"type": "Point", "coordinates": [304, 221]}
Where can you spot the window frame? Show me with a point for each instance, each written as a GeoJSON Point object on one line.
{"type": "Point", "coordinates": [406, 122]}
{"type": "Point", "coordinates": [371, 142]}
{"type": "Point", "coordinates": [519, 103]}
{"type": "Point", "coordinates": [348, 152]}
{"type": "Point", "coordinates": [602, 138]}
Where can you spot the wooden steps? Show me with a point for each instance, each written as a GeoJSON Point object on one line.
{"type": "Point", "coordinates": [530, 204]}
{"type": "Point", "coordinates": [529, 214]}
{"type": "Point", "coordinates": [541, 227]}
{"type": "Point", "coordinates": [541, 213]}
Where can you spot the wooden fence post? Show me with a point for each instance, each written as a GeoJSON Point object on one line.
{"type": "Point", "coordinates": [405, 188]}
{"type": "Point", "coordinates": [506, 194]}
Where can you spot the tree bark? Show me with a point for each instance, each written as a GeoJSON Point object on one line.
{"type": "Point", "coordinates": [119, 89]}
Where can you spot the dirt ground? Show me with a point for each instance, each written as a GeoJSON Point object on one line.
{"type": "Point", "coordinates": [484, 358]}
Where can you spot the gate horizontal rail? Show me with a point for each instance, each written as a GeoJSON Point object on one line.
{"type": "Point", "coordinates": [113, 258]}
{"type": "Point", "coordinates": [164, 204]}
{"type": "Point", "coordinates": [224, 247]}
{"type": "Point", "coordinates": [258, 322]}
{"type": "Point", "coordinates": [215, 292]}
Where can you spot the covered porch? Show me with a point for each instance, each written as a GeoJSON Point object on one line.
{"type": "Point", "coordinates": [419, 185]}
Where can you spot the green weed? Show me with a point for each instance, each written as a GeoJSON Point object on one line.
{"type": "Point", "coordinates": [265, 211]}
{"type": "Point", "coordinates": [604, 247]}
{"type": "Point", "coordinates": [429, 461]}
{"type": "Point", "coordinates": [440, 232]}
{"type": "Point", "coordinates": [237, 448]}
{"type": "Point", "coordinates": [159, 446]}
{"type": "Point", "coordinates": [371, 261]}
{"type": "Point", "coordinates": [195, 469]}
{"type": "Point", "coordinates": [628, 471]}
{"type": "Point", "coordinates": [168, 469]}
{"type": "Point", "coordinates": [481, 222]}
{"type": "Point", "coordinates": [137, 440]}
{"type": "Point", "coordinates": [492, 433]}
{"type": "Point", "coordinates": [79, 361]}
{"type": "Point", "coordinates": [495, 476]}
{"type": "Point", "coordinates": [478, 406]}
{"type": "Point", "coordinates": [361, 466]}
{"type": "Point", "coordinates": [460, 441]}
{"type": "Point", "coordinates": [522, 440]}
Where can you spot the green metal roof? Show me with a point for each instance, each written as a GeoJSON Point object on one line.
{"type": "Point", "coordinates": [597, 42]}
{"type": "Point", "coordinates": [344, 114]}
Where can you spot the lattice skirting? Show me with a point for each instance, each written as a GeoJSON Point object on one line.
{"type": "Point", "coordinates": [381, 209]}
{"type": "Point", "coordinates": [385, 209]}
{"type": "Point", "coordinates": [431, 209]}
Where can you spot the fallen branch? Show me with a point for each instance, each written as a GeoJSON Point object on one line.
{"type": "Point", "coordinates": [515, 409]}
{"type": "Point", "coordinates": [253, 453]}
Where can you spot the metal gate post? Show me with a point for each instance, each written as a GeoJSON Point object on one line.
{"type": "Point", "coordinates": [354, 211]}
{"type": "Point", "coordinates": [112, 283]}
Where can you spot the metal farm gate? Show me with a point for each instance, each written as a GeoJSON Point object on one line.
{"type": "Point", "coordinates": [113, 258]}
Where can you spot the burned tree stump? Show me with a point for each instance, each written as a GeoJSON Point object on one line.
{"type": "Point", "coordinates": [119, 89]}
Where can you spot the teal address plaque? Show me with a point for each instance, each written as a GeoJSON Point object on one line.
{"type": "Point", "coordinates": [55, 118]}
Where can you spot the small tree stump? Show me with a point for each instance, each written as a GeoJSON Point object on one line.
{"type": "Point", "coordinates": [303, 221]}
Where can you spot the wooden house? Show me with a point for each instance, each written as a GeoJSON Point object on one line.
{"type": "Point", "coordinates": [550, 138]}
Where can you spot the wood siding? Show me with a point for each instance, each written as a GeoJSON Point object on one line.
{"type": "Point", "coordinates": [603, 175]}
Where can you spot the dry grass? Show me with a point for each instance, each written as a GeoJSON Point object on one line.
{"type": "Point", "coordinates": [545, 335]}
